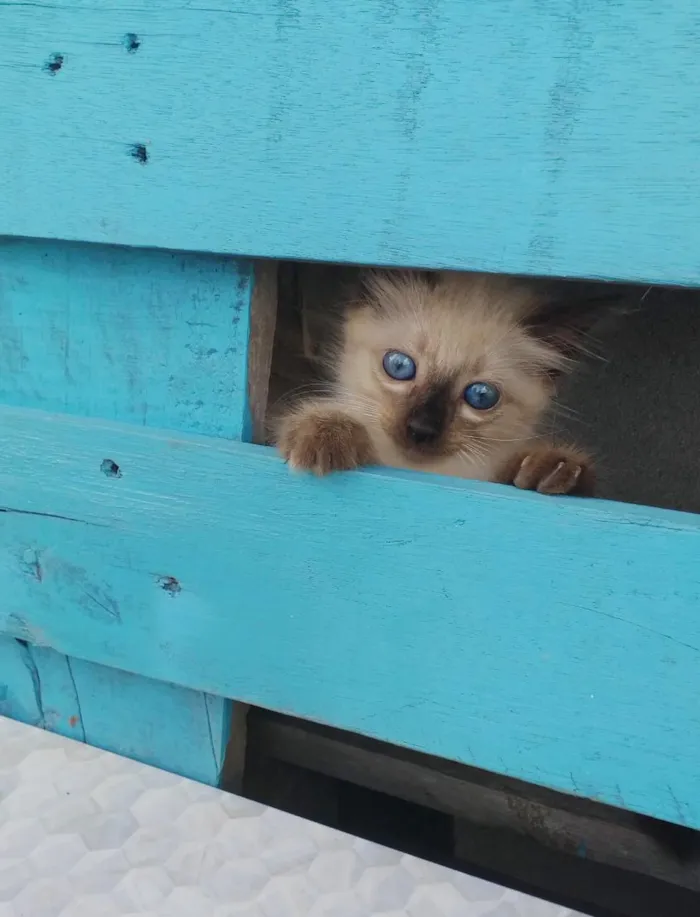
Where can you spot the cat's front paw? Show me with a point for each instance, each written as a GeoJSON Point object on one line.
{"type": "Point", "coordinates": [553, 470]}
{"type": "Point", "coordinates": [324, 440]}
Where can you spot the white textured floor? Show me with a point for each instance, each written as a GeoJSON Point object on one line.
{"type": "Point", "coordinates": [84, 833]}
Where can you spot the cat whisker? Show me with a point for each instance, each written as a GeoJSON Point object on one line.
{"type": "Point", "coordinates": [562, 412]}
{"type": "Point", "coordinates": [473, 453]}
{"type": "Point", "coordinates": [507, 439]}
{"type": "Point", "coordinates": [306, 389]}
{"type": "Point", "coordinates": [559, 408]}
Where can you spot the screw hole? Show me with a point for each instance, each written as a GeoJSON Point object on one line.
{"type": "Point", "coordinates": [110, 469]}
{"type": "Point", "coordinates": [169, 584]}
{"type": "Point", "coordinates": [139, 152]}
{"type": "Point", "coordinates": [132, 42]}
{"type": "Point", "coordinates": [54, 64]}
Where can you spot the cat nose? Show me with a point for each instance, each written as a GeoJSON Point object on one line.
{"type": "Point", "coordinates": [427, 420]}
{"type": "Point", "coordinates": [423, 429]}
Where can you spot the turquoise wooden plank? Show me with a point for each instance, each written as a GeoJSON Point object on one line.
{"type": "Point", "coordinates": [550, 639]}
{"type": "Point", "coordinates": [166, 726]}
{"type": "Point", "coordinates": [533, 136]}
{"type": "Point", "coordinates": [55, 689]}
{"type": "Point", "coordinates": [154, 338]}
{"type": "Point", "coordinates": [151, 338]}
{"type": "Point", "coordinates": [37, 686]}
{"type": "Point", "coordinates": [19, 696]}
{"type": "Point", "coordinates": [105, 693]}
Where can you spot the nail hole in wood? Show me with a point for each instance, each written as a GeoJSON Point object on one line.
{"type": "Point", "coordinates": [169, 584]}
{"type": "Point", "coordinates": [132, 42]}
{"type": "Point", "coordinates": [110, 469]}
{"type": "Point", "coordinates": [54, 64]}
{"type": "Point", "coordinates": [139, 152]}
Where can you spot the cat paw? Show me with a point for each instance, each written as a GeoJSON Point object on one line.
{"type": "Point", "coordinates": [324, 441]}
{"type": "Point", "coordinates": [553, 470]}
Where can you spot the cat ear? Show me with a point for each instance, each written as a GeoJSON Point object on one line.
{"type": "Point", "coordinates": [565, 324]}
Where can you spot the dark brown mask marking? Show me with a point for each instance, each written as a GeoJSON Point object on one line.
{"type": "Point", "coordinates": [426, 421]}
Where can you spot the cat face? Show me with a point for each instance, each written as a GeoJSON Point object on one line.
{"type": "Point", "coordinates": [449, 365]}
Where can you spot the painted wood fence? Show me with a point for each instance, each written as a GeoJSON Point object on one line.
{"type": "Point", "coordinates": [153, 563]}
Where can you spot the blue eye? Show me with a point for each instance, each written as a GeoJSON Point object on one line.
{"type": "Point", "coordinates": [399, 366]}
{"type": "Point", "coordinates": [482, 396]}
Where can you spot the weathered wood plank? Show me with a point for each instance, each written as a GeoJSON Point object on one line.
{"type": "Point", "coordinates": [519, 135]}
{"type": "Point", "coordinates": [19, 697]}
{"type": "Point", "coordinates": [564, 651]}
{"type": "Point", "coordinates": [59, 708]}
{"type": "Point", "coordinates": [147, 337]}
{"type": "Point", "coordinates": [168, 726]}
{"type": "Point", "coordinates": [476, 799]}
{"type": "Point", "coordinates": [604, 891]}
{"type": "Point", "coordinates": [260, 344]}
{"type": "Point", "coordinates": [233, 770]}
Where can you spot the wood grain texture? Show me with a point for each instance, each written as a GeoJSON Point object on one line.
{"type": "Point", "coordinates": [533, 136]}
{"type": "Point", "coordinates": [154, 709]}
{"type": "Point", "coordinates": [59, 707]}
{"type": "Point", "coordinates": [473, 797]}
{"type": "Point", "coordinates": [19, 697]}
{"type": "Point", "coordinates": [261, 339]}
{"type": "Point", "coordinates": [563, 650]}
{"type": "Point", "coordinates": [160, 724]}
{"type": "Point", "coordinates": [146, 337]}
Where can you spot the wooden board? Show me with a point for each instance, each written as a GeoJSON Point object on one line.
{"type": "Point", "coordinates": [535, 136]}
{"type": "Point", "coordinates": [476, 799]}
{"type": "Point", "coordinates": [146, 337]}
{"type": "Point", "coordinates": [552, 640]}
{"type": "Point", "coordinates": [149, 338]}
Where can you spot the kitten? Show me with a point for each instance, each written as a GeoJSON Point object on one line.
{"type": "Point", "coordinates": [447, 373]}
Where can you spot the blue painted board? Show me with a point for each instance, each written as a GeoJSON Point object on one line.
{"type": "Point", "coordinates": [57, 703]}
{"type": "Point", "coordinates": [555, 640]}
{"type": "Point", "coordinates": [147, 337]}
{"type": "Point", "coordinates": [158, 723]}
{"type": "Point", "coordinates": [194, 720]}
{"type": "Point", "coordinates": [19, 696]}
{"type": "Point", "coordinates": [534, 136]}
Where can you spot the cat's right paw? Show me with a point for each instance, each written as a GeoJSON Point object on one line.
{"type": "Point", "coordinates": [549, 469]}
{"type": "Point", "coordinates": [323, 441]}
